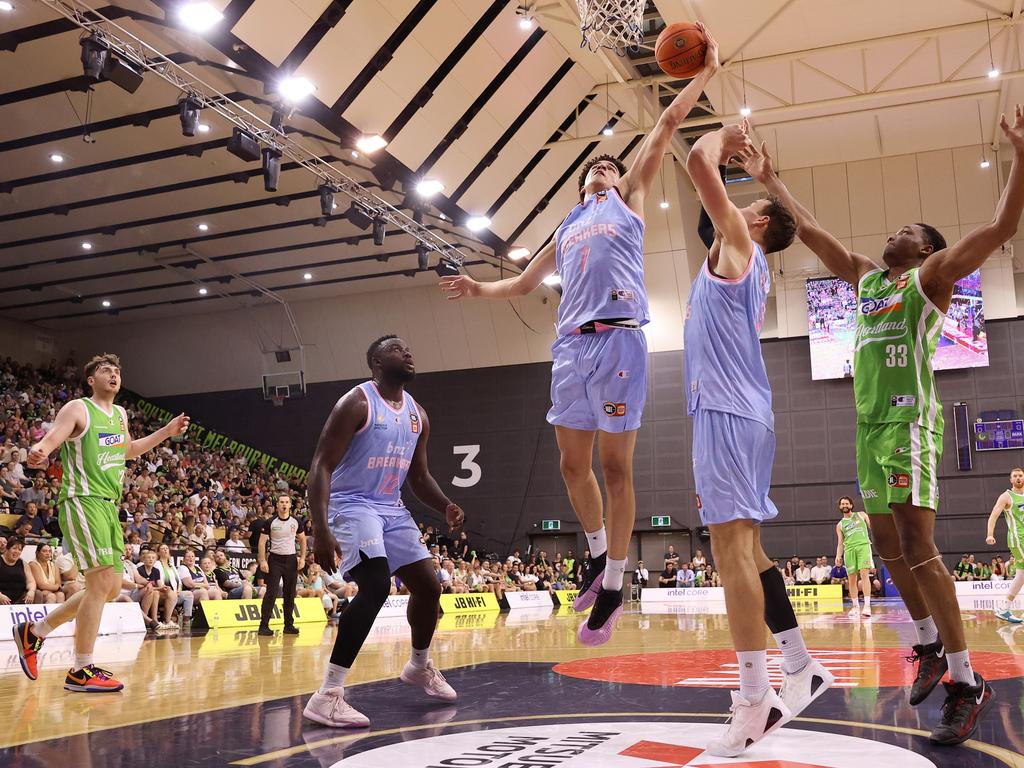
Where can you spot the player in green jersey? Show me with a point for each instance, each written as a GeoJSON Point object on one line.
{"type": "Point", "coordinates": [1010, 505]}
{"type": "Point", "coordinates": [94, 441]}
{"type": "Point", "coordinates": [854, 551]}
{"type": "Point", "coordinates": [899, 417]}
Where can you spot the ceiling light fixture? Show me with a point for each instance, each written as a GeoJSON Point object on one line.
{"type": "Point", "coordinates": [608, 131]}
{"type": "Point", "coordinates": [663, 204]}
{"type": "Point", "coordinates": [371, 143]}
{"type": "Point", "coordinates": [307, 276]}
{"type": "Point", "coordinates": [56, 157]}
{"type": "Point", "coordinates": [271, 168]}
{"type": "Point", "coordinates": [327, 203]}
{"type": "Point", "coordinates": [203, 291]}
{"type": "Point", "coordinates": [199, 17]}
{"type": "Point", "coordinates": [379, 230]}
{"type": "Point", "coordinates": [422, 256]}
{"type": "Point", "coordinates": [518, 253]}
{"type": "Point", "coordinates": [745, 109]}
{"type": "Point", "coordinates": [106, 303]}
{"type": "Point", "coordinates": [993, 71]}
{"type": "Point", "coordinates": [202, 227]}
{"type": "Point", "coordinates": [476, 223]}
{"type": "Point", "coordinates": [6, 6]}
{"type": "Point", "coordinates": [203, 128]}
{"type": "Point", "coordinates": [295, 89]}
{"type": "Point", "coordinates": [86, 245]}
{"type": "Point", "coordinates": [981, 138]}
{"type": "Point", "coordinates": [429, 187]}
{"type": "Point", "coordinates": [188, 114]}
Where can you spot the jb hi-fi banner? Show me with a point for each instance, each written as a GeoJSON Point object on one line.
{"type": "Point", "coordinates": [215, 441]}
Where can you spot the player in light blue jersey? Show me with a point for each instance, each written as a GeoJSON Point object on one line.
{"type": "Point", "coordinates": [730, 400]}
{"type": "Point", "coordinates": [599, 358]}
{"type": "Point", "coordinates": [375, 437]}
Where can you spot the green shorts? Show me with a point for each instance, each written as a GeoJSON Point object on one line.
{"type": "Point", "coordinates": [897, 463]}
{"type": "Point", "coordinates": [857, 558]}
{"type": "Point", "coordinates": [92, 532]}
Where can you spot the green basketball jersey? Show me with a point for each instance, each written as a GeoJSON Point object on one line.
{"type": "Point", "coordinates": [94, 461]}
{"type": "Point", "coordinates": [1014, 515]}
{"type": "Point", "coordinates": [855, 531]}
{"type": "Point", "coordinates": [898, 329]}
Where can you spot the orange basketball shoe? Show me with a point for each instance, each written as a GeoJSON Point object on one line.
{"type": "Point", "coordinates": [91, 679]}
{"type": "Point", "coordinates": [28, 648]}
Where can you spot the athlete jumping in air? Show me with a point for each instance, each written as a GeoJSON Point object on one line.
{"type": "Point", "coordinates": [1010, 505]}
{"type": "Point", "coordinates": [376, 436]}
{"type": "Point", "coordinates": [599, 369]}
{"type": "Point", "coordinates": [94, 441]}
{"type": "Point", "coordinates": [854, 551]}
{"type": "Point", "coordinates": [900, 314]}
{"type": "Point", "coordinates": [730, 401]}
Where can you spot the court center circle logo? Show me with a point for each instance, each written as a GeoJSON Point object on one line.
{"type": "Point", "coordinates": [640, 744]}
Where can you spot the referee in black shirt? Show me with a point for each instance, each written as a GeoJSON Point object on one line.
{"type": "Point", "coordinates": [278, 536]}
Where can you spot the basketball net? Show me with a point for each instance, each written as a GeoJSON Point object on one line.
{"type": "Point", "coordinates": [277, 400]}
{"type": "Point", "coordinates": [613, 24]}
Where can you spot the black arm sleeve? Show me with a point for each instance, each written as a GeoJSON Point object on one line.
{"type": "Point", "coordinates": [705, 229]}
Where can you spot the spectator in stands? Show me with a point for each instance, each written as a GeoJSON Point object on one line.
{"type": "Point", "coordinates": [9, 487]}
{"type": "Point", "coordinates": [964, 571]}
{"type": "Point", "coordinates": [563, 578]}
{"type": "Point", "coordinates": [672, 556]}
{"type": "Point", "coordinates": [698, 559]}
{"type": "Point", "coordinates": [803, 574]}
{"type": "Point", "coordinates": [193, 578]}
{"type": "Point", "coordinates": [71, 580]}
{"type": "Point", "coordinates": [209, 567]}
{"type": "Point", "coordinates": [177, 595]}
{"type": "Point", "coordinates": [459, 586]}
{"type": "Point", "coordinates": [838, 574]}
{"type": "Point", "coordinates": [684, 576]}
{"type": "Point", "coordinates": [234, 542]}
{"type": "Point", "coordinates": [35, 494]}
{"type": "Point", "coordinates": [139, 526]}
{"type": "Point", "coordinates": [641, 575]}
{"type": "Point", "coordinates": [668, 576]}
{"type": "Point", "coordinates": [161, 592]}
{"type": "Point", "coordinates": [982, 572]}
{"type": "Point", "coordinates": [998, 572]}
{"type": "Point", "coordinates": [712, 579]}
{"type": "Point", "coordinates": [821, 573]}
{"type": "Point", "coordinates": [462, 546]}
{"type": "Point", "coordinates": [230, 578]}
{"type": "Point", "coordinates": [46, 575]}
{"type": "Point", "coordinates": [17, 584]}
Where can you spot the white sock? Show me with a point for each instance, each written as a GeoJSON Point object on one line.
{"type": "Point", "coordinates": [597, 542]}
{"type": "Point", "coordinates": [335, 677]}
{"type": "Point", "coordinates": [41, 629]}
{"type": "Point", "coordinates": [867, 601]}
{"type": "Point", "coordinates": [794, 653]}
{"type": "Point", "coordinates": [927, 632]}
{"type": "Point", "coordinates": [613, 571]}
{"type": "Point", "coordinates": [419, 658]}
{"type": "Point", "coordinates": [82, 660]}
{"type": "Point", "coordinates": [753, 675]}
{"type": "Point", "coordinates": [960, 670]}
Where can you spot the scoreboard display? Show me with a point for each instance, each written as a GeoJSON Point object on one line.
{"type": "Point", "coordinates": [998, 435]}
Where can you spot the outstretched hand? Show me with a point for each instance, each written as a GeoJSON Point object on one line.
{"type": "Point", "coordinates": [178, 424]}
{"type": "Point", "coordinates": [757, 162]}
{"type": "Point", "coordinates": [1014, 133]}
{"type": "Point", "coordinates": [460, 287]}
{"type": "Point", "coordinates": [711, 63]}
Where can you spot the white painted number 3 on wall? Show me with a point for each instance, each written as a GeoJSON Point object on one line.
{"type": "Point", "coordinates": [469, 454]}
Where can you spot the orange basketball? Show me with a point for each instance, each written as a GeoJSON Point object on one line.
{"type": "Point", "coordinates": [681, 49]}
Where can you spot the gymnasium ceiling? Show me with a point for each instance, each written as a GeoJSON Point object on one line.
{"type": "Point", "coordinates": [502, 116]}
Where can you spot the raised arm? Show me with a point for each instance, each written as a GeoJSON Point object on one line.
{"type": "Point", "coordinates": [347, 417]}
{"type": "Point", "coordinates": [990, 529]}
{"type": "Point", "coordinates": [710, 151]}
{"type": "Point", "coordinates": [172, 428]}
{"type": "Point", "coordinates": [941, 270]}
{"type": "Point", "coordinates": [540, 266]}
{"type": "Point", "coordinates": [635, 185]}
{"type": "Point", "coordinates": [425, 486]}
{"type": "Point", "coordinates": [70, 419]}
{"type": "Point", "coordinates": [837, 258]}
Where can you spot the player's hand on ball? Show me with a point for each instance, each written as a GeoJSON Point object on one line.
{"type": "Point", "coordinates": [735, 142]}
{"type": "Point", "coordinates": [460, 287]}
{"type": "Point", "coordinates": [990, 540]}
{"type": "Point", "coordinates": [455, 517]}
{"type": "Point", "coordinates": [178, 424]}
{"type": "Point", "coordinates": [36, 458]}
{"type": "Point", "coordinates": [325, 547]}
{"type": "Point", "coordinates": [711, 63]}
{"type": "Point", "coordinates": [1014, 133]}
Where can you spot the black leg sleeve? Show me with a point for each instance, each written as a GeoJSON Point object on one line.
{"type": "Point", "coordinates": [374, 579]}
{"type": "Point", "coordinates": [778, 610]}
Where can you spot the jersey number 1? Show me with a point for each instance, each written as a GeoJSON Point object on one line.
{"type": "Point", "coordinates": [896, 356]}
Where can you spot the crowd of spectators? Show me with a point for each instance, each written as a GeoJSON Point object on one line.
{"type": "Point", "coordinates": [967, 569]}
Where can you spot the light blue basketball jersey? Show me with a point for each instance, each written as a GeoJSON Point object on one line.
{"type": "Point", "coordinates": [721, 345]}
{"type": "Point", "coordinates": [374, 467]}
{"type": "Point", "coordinates": [600, 257]}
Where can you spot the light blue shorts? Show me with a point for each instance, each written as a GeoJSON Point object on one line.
{"type": "Point", "coordinates": [365, 531]}
{"type": "Point", "coordinates": [599, 380]}
{"type": "Point", "coordinates": [732, 467]}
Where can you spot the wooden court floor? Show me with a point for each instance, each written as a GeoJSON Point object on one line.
{"type": "Point", "coordinates": [529, 696]}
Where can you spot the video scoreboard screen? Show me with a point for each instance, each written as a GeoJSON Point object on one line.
{"type": "Point", "coordinates": [998, 435]}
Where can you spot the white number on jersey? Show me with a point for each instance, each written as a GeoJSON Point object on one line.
{"type": "Point", "coordinates": [896, 356]}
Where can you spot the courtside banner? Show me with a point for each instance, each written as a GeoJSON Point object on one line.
{"type": "Point", "coordinates": [394, 606]}
{"type": "Point", "coordinates": [565, 596]}
{"type": "Point", "coordinates": [231, 640]}
{"type": "Point", "coordinates": [220, 614]}
{"type": "Point", "coordinates": [683, 595]}
{"type": "Point", "coordinates": [815, 592]}
{"type": "Point", "coordinates": [116, 619]}
{"type": "Point", "coordinates": [982, 588]}
{"type": "Point", "coordinates": [477, 602]}
{"type": "Point", "coordinates": [538, 599]}
{"type": "Point", "coordinates": [59, 652]}
{"type": "Point", "coordinates": [478, 620]}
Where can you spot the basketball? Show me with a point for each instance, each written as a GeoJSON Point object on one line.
{"type": "Point", "coordinates": [681, 49]}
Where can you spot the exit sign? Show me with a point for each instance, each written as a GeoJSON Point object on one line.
{"type": "Point", "coordinates": [551, 525]}
{"type": "Point", "coordinates": [661, 522]}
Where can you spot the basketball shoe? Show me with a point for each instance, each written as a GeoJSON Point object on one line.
{"type": "Point", "coordinates": [750, 723]}
{"type": "Point", "coordinates": [28, 649]}
{"type": "Point", "coordinates": [963, 708]}
{"type": "Point", "coordinates": [799, 689]}
{"type": "Point", "coordinates": [91, 679]}
{"type": "Point", "coordinates": [597, 629]}
{"type": "Point", "coordinates": [330, 708]}
{"type": "Point", "coordinates": [591, 584]}
{"type": "Point", "coordinates": [931, 666]}
{"type": "Point", "coordinates": [1007, 615]}
{"type": "Point", "coordinates": [430, 679]}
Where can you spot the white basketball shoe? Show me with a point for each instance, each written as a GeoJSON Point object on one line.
{"type": "Point", "coordinates": [430, 679]}
{"type": "Point", "coordinates": [799, 689]}
{"type": "Point", "coordinates": [330, 708]}
{"type": "Point", "coordinates": [750, 723]}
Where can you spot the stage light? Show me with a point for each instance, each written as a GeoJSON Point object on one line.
{"type": "Point", "coordinates": [371, 143]}
{"type": "Point", "coordinates": [422, 256]}
{"type": "Point", "coordinates": [203, 291]}
{"type": "Point", "coordinates": [553, 280]}
{"type": "Point", "coordinates": [94, 57]}
{"type": "Point", "coordinates": [188, 114]}
{"type": "Point", "coordinates": [199, 17]}
{"type": "Point", "coordinates": [294, 89]}
{"type": "Point", "coordinates": [106, 303]}
{"type": "Point", "coordinates": [379, 230]}
{"type": "Point", "coordinates": [121, 73]}
{"type": "Point", "coordinates": [202, 227]}
{"type": "Point", "coordinates": [56, 157]}
{"type": "Point", "coordinates": [307, 276]}
{"type": "Point", "coordinates": [518, 253]}
{"type": "Point", "coordinates": [476, 223]}
{"type": "Point", "coordinates": [271, 168]}
{"type": "Point", "coordinates": [358, 216]}
{"type": "Point", "coordinates": [203, 128]}
{"type": "Point", "coordinates": [327, 203]}
{"type": "Point", "coordinates": [429, 187]}
{"type": "Point", "coordinates": [243, 146]}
